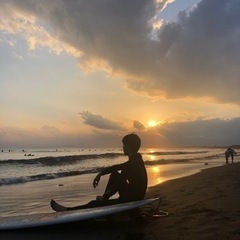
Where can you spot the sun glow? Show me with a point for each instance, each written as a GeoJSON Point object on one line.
{"type": "Point", "coordinates": [152, 123]}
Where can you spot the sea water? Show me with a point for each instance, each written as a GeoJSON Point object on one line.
{"type": "Point", "coordinates": [30, 178]}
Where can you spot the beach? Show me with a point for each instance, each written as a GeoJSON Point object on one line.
{"type": "Point", "coordinates": [204, 205]}
{"type": "Point", "coordinates": [201, 206]}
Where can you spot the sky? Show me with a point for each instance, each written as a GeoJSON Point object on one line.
{"type": "Point", "coordinates": [85, 73]}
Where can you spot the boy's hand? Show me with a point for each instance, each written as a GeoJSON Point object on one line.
{"type": "Point", "coordinates": [99, 198]}
{"type": "Point", "coordinates": [105, 196]}
{"type": "Point", "coordinates": [96, 180]}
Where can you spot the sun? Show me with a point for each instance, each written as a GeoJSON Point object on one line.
{"type": "Point", "coordinates": [152, 123]}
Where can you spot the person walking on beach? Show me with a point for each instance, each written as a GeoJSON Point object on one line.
{"type": "Point", "coordinates": [229, 152]}
{"type": "Point", "coordinates": [130, 183]}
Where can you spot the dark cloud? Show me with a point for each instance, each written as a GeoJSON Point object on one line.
{"type": "Point", "coordinates": [201, 133]}
{"type": "Point", "coordinates": [202, 52]}
{"type": "Point", "coordinates": [99, 122]}
{"type": "Point", "coordinates": [138, 125]}
{"type": "Point", "coordinates": [196, 56]}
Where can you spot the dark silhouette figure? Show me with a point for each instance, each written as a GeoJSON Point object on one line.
{"type": "Point", "coordinates": [128, 179]}
{"type": "Point", "coordinates": [230, 152]}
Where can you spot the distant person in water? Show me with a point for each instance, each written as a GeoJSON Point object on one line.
{"type": "Point", "coordinates": [230, 152]}
{"type": "Point", "coordinates": [128, 179]}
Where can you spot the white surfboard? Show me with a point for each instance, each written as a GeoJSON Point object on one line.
{"type": "Point", "coordinates": [40, 220]}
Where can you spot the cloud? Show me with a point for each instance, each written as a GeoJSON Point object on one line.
{"type": "Point", "coordinates": [196, 56]}
{"type": "Point", "coordinates": [99, 122]}
{"type": "Point", "coordinates": [138, 125]}
{"type": "Point", "coordinates": [22, 137]}
{"type": "Point", "coordinates": [212, 132]}
{"type": "Point", "coordinates": [51, 137]}
{"type": "Point", "coordinates": [14, 21]}
{"type": "Point", "coordinates": [165, 3]}
{"type": "Point", "coordinates": [50, 131]}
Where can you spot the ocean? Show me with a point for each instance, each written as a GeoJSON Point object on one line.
{"type": "Point", "coordinates": [30, 178]}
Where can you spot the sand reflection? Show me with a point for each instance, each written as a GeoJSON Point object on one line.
{"type": "Point", "coordinates": [155, 175]}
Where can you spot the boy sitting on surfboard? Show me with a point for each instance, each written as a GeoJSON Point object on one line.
{"type": "Point", "coordinates": [130, 183]}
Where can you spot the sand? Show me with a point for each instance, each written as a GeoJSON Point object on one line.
{"type": "Point", "coordinates": [205, 206]}
{"type": "Point", "coordinates": [201, 206]}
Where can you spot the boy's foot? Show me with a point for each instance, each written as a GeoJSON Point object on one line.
{"type": "Point", "coordinates": [57, 207]}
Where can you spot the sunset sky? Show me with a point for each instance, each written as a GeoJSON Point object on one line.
{"type": "Point", "coordinates": [84, 73]}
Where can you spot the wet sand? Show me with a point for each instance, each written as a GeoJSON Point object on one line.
{"type": "Point", "coordinates": [201, 206]}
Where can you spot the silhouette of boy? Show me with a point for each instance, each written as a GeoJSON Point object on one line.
{"type": "Point", "coordinates": [128, 179]}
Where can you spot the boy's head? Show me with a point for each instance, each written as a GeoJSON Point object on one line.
{"type": "Point", "coordinates": [132, 141]}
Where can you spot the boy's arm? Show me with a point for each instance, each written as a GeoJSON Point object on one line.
{"type": "Point", "coordinates": [113, 168]}
{"type": "Point", "coordinates": [105, 171]}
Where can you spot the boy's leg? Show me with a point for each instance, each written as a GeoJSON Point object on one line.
{"type": "Point", "coordinates": [226, 157]}
{"type": "Point", "coordinates": [59, 208]}
{"type": "Point", "coordinates": [115, 184]}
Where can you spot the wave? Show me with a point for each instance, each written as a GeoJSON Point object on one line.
{"type": "Point", "coordinates": [24, 179]}
{"type": "Point", "coordinates": [61, 160]}
{"type": "Point", "coordinates": [71, 159]}
{"type": "Point", "coordinates": [184, 160]}
{"type": "Point", "coordinates": [176, 153]}
{"type": "Point", "coordinates": [51, 167]}
{"type": "Point", "coordinates": [16, 180]}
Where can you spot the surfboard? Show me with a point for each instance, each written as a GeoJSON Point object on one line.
{"type": "Point", "coordinates": [54, 218]}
